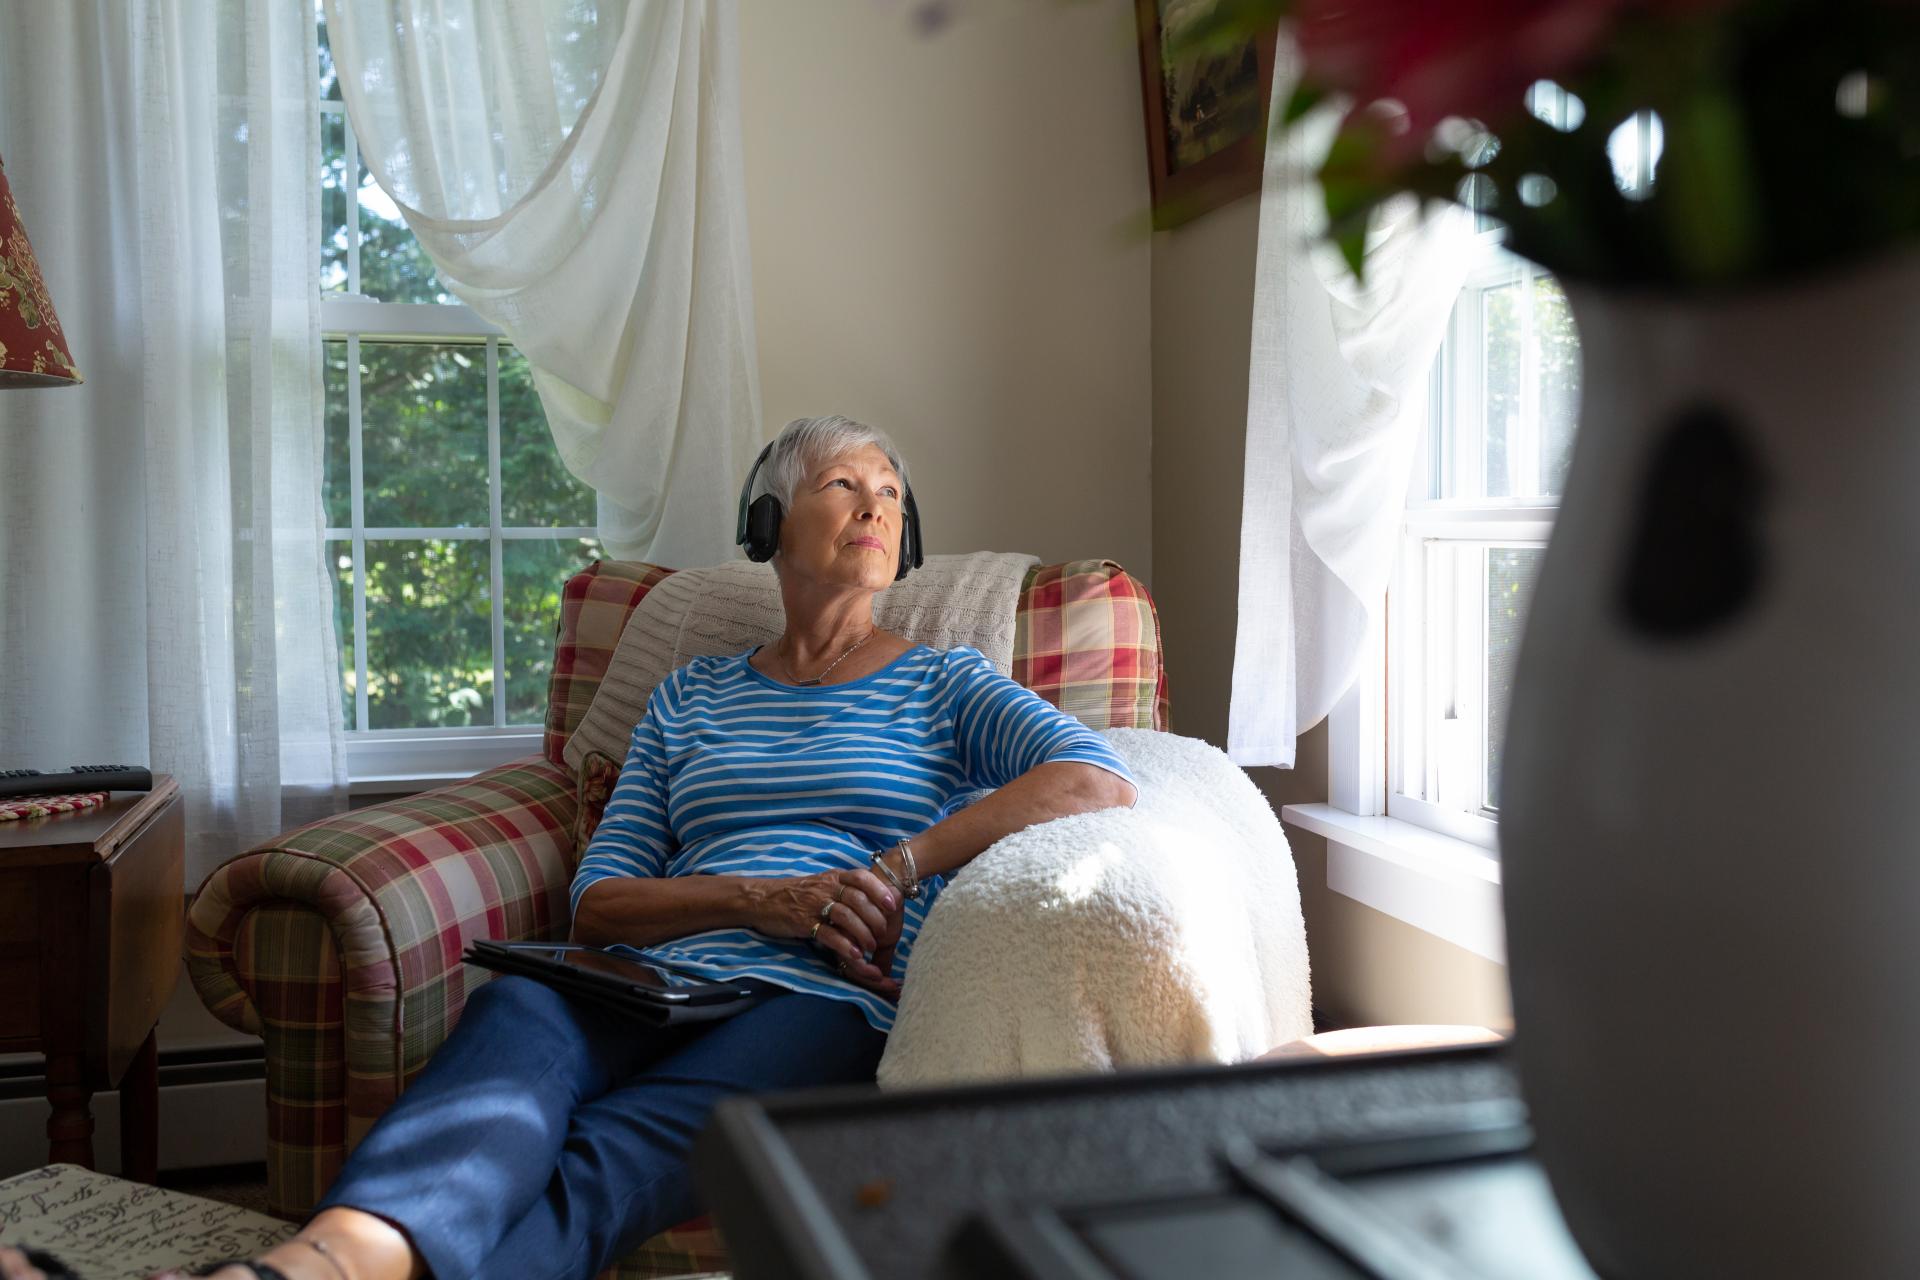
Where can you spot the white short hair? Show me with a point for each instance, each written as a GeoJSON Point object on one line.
{"type": "Point", "coordinates": [806, 444]}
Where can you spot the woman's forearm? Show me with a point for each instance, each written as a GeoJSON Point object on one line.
{"type": "Point", "coordinates": [1041, 794]}
{"type": "Point", "coordinates": [643, 910]}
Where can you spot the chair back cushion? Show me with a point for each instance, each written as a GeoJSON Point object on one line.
{"type": "Point", "coordinates": [728, 609]}
{"type": "Point", "coordinates": [1086, 638]}
{"type": "Point", "coordinates": [594, 608]}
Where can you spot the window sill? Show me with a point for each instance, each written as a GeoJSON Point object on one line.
{"type": "Point", "coordinates": [400, 762]}
{"type": "Point", "coordinates": [1445, 886]}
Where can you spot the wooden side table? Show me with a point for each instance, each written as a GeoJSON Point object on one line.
{"type": "Point", "coordinates": [92, 919]}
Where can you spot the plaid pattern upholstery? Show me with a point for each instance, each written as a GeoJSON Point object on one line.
{"type": "Point", "coordinates": [594, 788]}
{"type": "Point", "coordinates": [339, 942]}
{"type": "Point", "coordinates": [1087, 639]}
{"type": "Point", "coordinates": [594, 607]}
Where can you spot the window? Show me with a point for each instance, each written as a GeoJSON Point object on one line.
{"type": "Point", "coordinates": [452, 522]}
{"type": "Point", "coordinates": [1503, 406]}
{"type": "Point", "coordinates": [1504, 400]}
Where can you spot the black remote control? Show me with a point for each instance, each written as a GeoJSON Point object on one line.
{"type": "Point", "coordinates": [72, 781]}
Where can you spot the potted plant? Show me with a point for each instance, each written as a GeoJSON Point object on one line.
{"type": "Point", "coordinates": [1708, 874]}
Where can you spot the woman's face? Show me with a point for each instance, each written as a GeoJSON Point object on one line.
{"type": "Point", "coordinates": [844, 524]}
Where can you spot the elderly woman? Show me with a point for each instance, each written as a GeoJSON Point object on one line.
{"type": "Point", "coordinates": [788, 815]}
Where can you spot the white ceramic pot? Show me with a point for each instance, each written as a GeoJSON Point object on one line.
{"type": "Point", "coordinates": [1711, 863]}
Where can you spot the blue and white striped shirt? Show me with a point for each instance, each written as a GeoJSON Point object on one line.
{"type": "Point", "coordinates": [733, 773]}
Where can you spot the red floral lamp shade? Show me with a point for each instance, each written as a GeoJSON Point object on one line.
{"type": "Point", "coordinates": [33, 350]}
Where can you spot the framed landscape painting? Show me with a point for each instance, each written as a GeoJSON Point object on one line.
{"type": "Point", "coordinates": [1206, 113]}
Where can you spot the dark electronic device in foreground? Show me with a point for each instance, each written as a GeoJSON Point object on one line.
{"type": "Point", "coordinates": [650, 992]}
{"type": "Point", "coordinates": [73, 781]}
{"type": "Point", "coordinates": [1404, 1166]}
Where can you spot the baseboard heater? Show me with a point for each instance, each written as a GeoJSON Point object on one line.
{"type": "Point", "coordinates": [213, 1111]}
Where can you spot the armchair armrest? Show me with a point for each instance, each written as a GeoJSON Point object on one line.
{"type": "Point", "coordinates": [339, 943]}
{"type": "Point", "coordinates": [1164, 934]}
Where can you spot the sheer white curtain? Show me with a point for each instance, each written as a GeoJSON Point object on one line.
{"type": "Point", "coordinates": [166, 598]}
{"type": "Point", "coordinates": [573, 169]}
{"type": "Point", "coordinates": [1336, 396]}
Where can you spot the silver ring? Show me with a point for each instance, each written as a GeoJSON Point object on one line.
{"type": "Point", "coordinates": [826, 912]}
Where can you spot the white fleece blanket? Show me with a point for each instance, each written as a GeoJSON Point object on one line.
{"type": "Point", "coordinates": [1166, 933]}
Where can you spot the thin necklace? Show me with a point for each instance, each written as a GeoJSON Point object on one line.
{"type": "Point", "coordinates": [788, 668]}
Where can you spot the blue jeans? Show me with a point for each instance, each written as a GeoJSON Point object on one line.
{"type": "Point", "coordinates": [547, 1137]}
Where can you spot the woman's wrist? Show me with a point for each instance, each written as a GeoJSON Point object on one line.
{"type": "Point", "coordinates": [752, 898]}
{"type": "Point", "coordinates": [891, 873]}
{"type": "Point", "coordinates": [896, 865]}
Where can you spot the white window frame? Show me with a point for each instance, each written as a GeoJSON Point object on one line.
{"type": "Point", "coordinates": [392, 760]}
{"type": "Point", "coordinates": [1434, 867]}
{"type": "Point", "coordinates": [1437, 868]}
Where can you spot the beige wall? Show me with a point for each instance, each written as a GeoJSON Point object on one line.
{"type": "Point", "coordinates": [939, 248]}
{"type": "Point", "coordinates": [1368, 967]}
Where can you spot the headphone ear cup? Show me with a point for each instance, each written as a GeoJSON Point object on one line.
{"type": "Point", "coordinates": [910, 557]}
{"type": "Point", "coordinates": [763, 528]}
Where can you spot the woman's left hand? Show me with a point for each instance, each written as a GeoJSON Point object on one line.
{"type": "Point", "coordinates": [849, 914]}
{"type": "Point", "coordinates": [881, 915]}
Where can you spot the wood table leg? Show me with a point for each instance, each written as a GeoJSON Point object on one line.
{"type": "Point", "coordinates": [140, 1115]}
{"type": "Point", "coordinates": [70, 1127]}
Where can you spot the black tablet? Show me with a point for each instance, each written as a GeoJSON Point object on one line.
{"type": "Point", "coordinates": [630, 983]}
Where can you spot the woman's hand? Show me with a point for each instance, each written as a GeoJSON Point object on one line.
{"type": "Point", "coordinates": [858, 918]}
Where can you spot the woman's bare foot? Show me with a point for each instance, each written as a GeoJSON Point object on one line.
{"type": "Point", "coordinates": [15, 1266]}
{"type": "Point", "coordinates": [339, 1244]}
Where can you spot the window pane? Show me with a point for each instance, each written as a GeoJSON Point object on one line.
{"type": "Point", "coordinates": [393, 267]}
{"type": "Point", "coordinates": [423, 434]}
{"type": "Point", "coordinates": [1511, 572]}
{"type": "Point", "coordinates": [429, 634]}
{"type": "Point", "coordinates": [1635, 148]}
{"type": "Point", "coordinates": [337, 479]}
{"type": "Point", "coordinates": [1436, 478]}
{"type": "Point", "coordinates": [1501, 347]}
{"type": "Point", "coordinates": [536, 489]}
{"type": "Point", "coordinates": [340, 559]}
{"type": "Point", "coordinates": [333, 202]}
{"type": "Point", "coordinates": [329, 80]}
{"type": "Point", "coordinates": [1558, 348]}
{"type": "Point", "coordinates": [532, 573]}
{"type": "Point", "coordinates": [1436, 674]}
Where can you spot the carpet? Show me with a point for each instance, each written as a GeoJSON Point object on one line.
{"type": "Point", "coordinates": [107, 1229]}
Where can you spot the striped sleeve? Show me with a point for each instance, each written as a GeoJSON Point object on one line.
{"type": "Point", "coordinates": [1003, 729]}
{"type": "Point", "coordinates": [633, 838]}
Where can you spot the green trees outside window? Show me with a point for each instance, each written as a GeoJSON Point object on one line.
{"type": "Point", "coordinates": [430, 616]}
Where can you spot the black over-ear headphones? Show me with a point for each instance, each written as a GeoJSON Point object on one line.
{"type": "Point", "coordinates": [759, 529]}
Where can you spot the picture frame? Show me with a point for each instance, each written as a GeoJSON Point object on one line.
{"type": "Point", "coordinates": [1206, 117]}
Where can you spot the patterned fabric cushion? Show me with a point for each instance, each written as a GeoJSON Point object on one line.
{"type": "Point", "coordinates": [592, 790]}
{"type": "Point", "coordinates": [594, 607]}
{"type": "Point", "coordinates": [691, 1249]}
{"type": "Point", "coordinates": [1087, 640]}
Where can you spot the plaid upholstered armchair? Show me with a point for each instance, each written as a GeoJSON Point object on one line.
{"type": "Point", "coordinates": [339, 943]}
